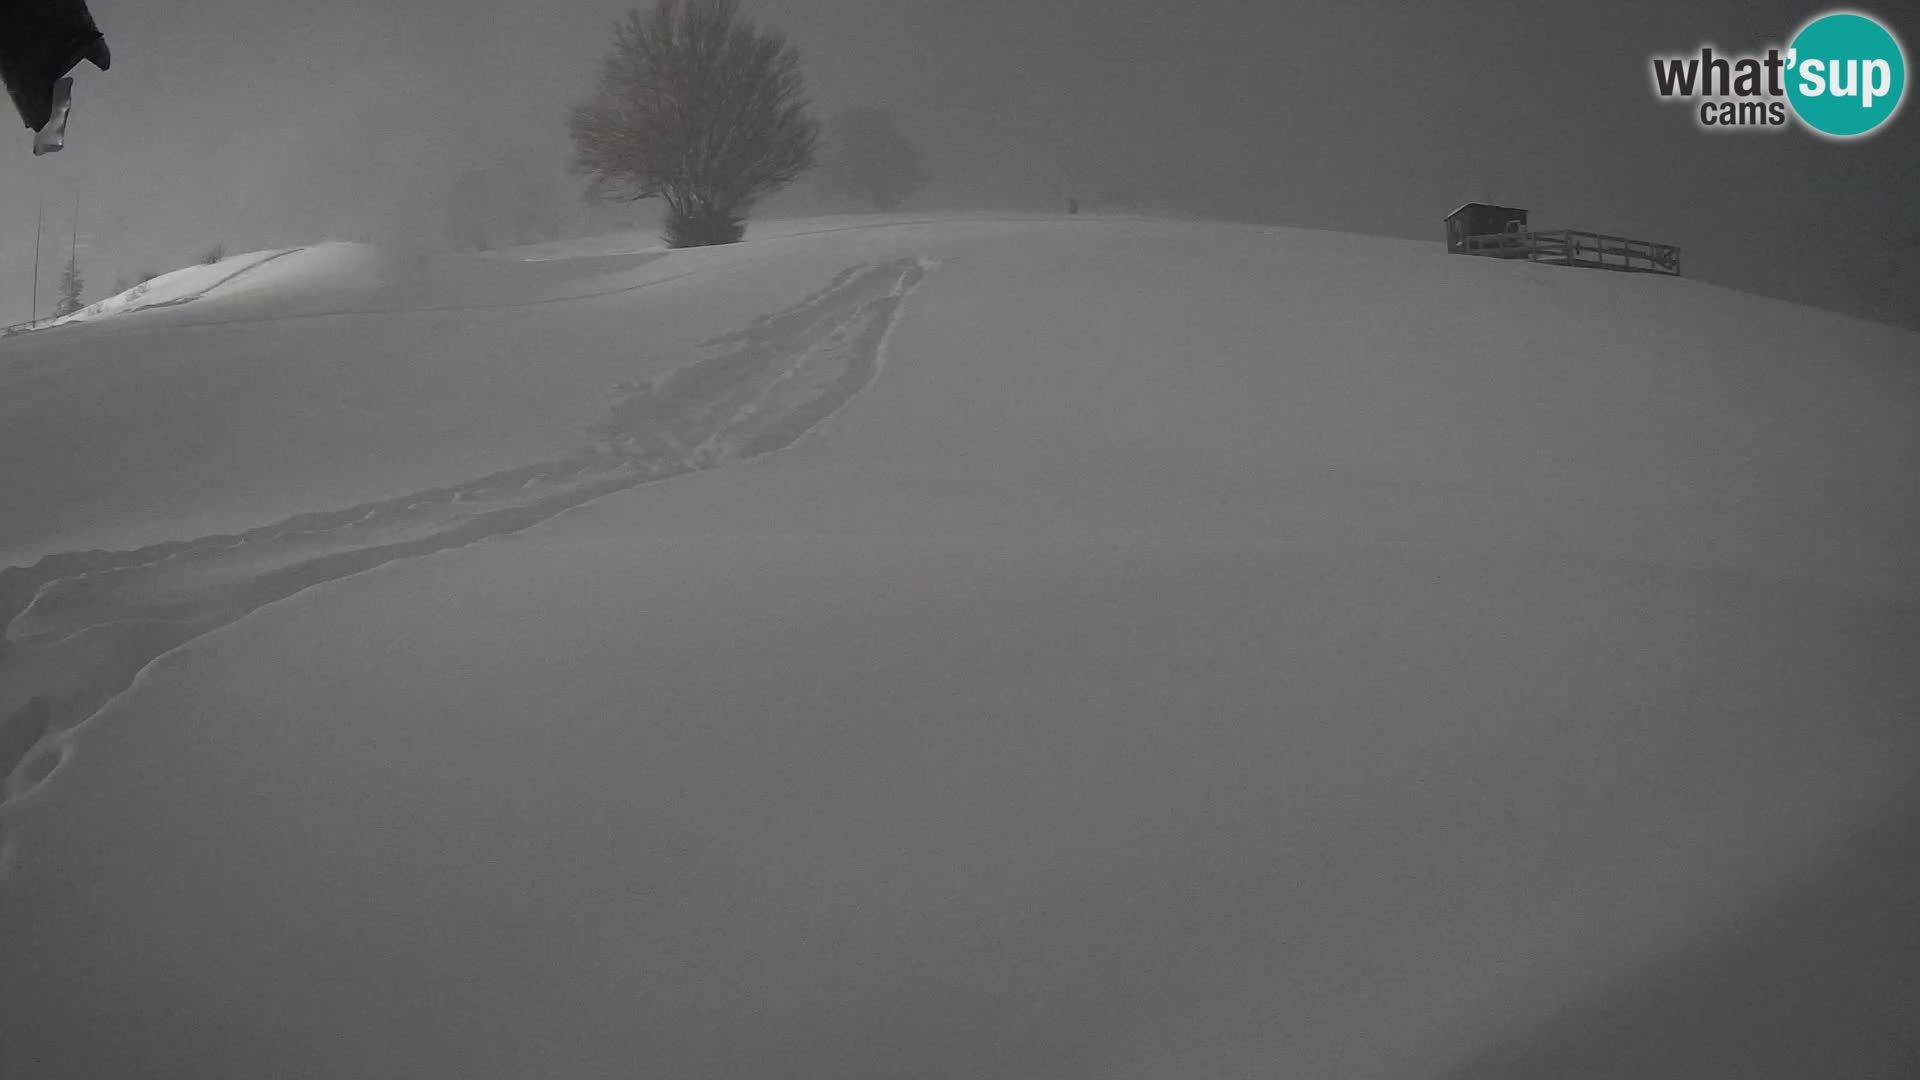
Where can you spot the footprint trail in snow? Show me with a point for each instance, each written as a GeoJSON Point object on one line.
{"type": "Point", "coordinates": [80, 626]}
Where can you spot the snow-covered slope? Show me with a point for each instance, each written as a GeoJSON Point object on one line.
{"type": "Point", "coordinates": [177, 287]}
{"type": "Point", "coordinates": [285, 275]}
{"type": "Point", "coordinates": [1167, 650]}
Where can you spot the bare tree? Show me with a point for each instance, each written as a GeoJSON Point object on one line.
{"type": "Point", "coordinates": [516, 200]}
{"type": "Point", "coordinates": [698, 107]}
{"type": "Point", "coordinates": [865, 156]}
{"type": "Point", "coordinates": [468, 211]}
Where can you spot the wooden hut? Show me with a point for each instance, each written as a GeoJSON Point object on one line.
{"type": "Point", "coordinates": [1482, 219]}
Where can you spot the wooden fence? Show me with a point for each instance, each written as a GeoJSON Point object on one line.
{"type": "Point", "coordinates": [1571, 247]}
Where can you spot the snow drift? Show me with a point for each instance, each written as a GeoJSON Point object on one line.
{"type": "Point", "coordinates": [1199, 650]}
{"type": "Point", "coordinates": [285, 275]}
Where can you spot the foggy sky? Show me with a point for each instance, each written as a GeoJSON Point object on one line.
{"type": "Point", "coordinates": [266, 122]}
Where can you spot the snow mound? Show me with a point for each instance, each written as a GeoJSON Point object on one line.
{"type": "Point", "coordinates": [176, 287]}
{"type": "Point", "coordinates": [283, 278]}
{"type": "Point", "coordinates": [631, 242]}
{"type": "Point", "coordinates": [306, 274]}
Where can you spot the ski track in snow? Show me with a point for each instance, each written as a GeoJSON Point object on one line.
{"type": "Point", "coordinates": [81, 627]}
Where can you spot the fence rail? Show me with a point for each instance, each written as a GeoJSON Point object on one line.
{"type": "Point", "coordinates": [1571, 247]}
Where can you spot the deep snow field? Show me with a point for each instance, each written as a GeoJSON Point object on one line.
{"type": "Point", "coordinates": [976, 647]}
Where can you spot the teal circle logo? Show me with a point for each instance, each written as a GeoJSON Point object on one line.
{"type": "Point", "coordinates": [1847, 74]}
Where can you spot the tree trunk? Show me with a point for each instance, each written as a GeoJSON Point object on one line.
{"type": "Point", "coordinates": [701, 225]}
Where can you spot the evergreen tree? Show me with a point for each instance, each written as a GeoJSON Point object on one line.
{"type": "Point", "coordinates": [71, 286]}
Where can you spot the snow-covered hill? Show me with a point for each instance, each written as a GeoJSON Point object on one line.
{"type": "Point", "coordinates": [1043, 648]}
{"type": "Point", "coordinates": [278, 277]}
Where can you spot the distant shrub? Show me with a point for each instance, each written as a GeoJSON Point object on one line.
{"type": "Point", "coordinates": [148, 275]}
{"type": "Point", "coordinates": [214, 254]}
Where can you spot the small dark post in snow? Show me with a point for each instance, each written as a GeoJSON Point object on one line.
{"type": "Point", "coordinates": [39, 219]}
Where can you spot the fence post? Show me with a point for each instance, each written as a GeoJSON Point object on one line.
{"type": "Point", "coordinates": [39, 218]}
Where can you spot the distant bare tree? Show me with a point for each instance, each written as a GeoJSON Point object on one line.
{"type": "Point", "coordinates": [516, 200]}
{"type": "Point", "coordinates": [698, 107]}
{"type": "Point", "coordinates": [213, 254]}
{"type": "Point", "coordinates": [865, 156]}
{"type": "Point", "coordinates": [531, 194]}
{"type": "Point", "coordinates": [467, 212]}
